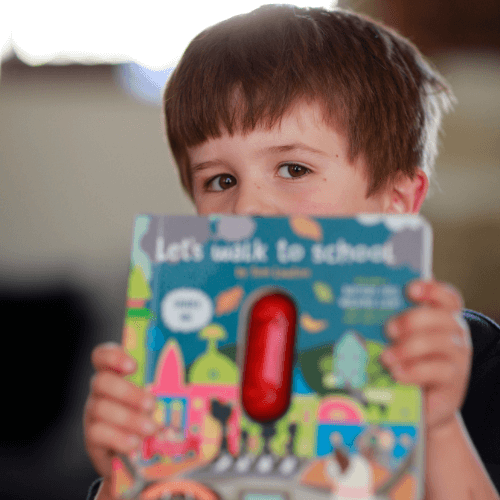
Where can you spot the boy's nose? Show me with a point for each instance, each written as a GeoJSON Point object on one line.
{"type": "Point", "coordinates": [255, 201]}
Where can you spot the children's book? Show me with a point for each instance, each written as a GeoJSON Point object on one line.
{"type": "Point", "coordinates": [261, 339]}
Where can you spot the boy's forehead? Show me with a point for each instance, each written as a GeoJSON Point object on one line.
{"type": "Point", "coordinates": [307, 114]}
{"type": "Point", "coordinates": [301, 115]}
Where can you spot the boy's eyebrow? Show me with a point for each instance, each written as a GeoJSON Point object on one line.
{"type": "Point", "coordinates": [284, 148]}
{"type": "Point", "coordinates": [296, 146]}
{"type": "Point", "coordinates": [204, 164]}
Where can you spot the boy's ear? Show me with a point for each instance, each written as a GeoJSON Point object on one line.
{"type": "Point", "coordinates": [406, 195]}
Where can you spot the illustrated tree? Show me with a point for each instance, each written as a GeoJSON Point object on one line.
{"type": "Point", "coordinates": [377, 374]}
{"type": "Point", "coordinates": [138, 286]}
{"type": "Point", "coordinates": [325, 366]}
{"type": "Point", "coordinates": [137, 321]}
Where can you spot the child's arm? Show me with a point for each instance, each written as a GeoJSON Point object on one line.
{"type": "Point", "coordinates": [457, 472]}
{"type": "Point", "coordinates": [432, 348]}
{"type": "Point", "coordinates": [118, 414]}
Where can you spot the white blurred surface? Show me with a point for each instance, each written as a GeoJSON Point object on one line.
{"type": "Point", "coordinates": [153, 33]}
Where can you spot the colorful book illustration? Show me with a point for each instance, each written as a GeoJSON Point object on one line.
{"type": "Point", "coordinates": [198, 295]}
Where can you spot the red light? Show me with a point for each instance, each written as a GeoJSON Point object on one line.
{"type": "Point", "coordinates": [267, 375]}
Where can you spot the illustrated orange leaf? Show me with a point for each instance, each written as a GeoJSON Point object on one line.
{"type": "Point", "coordinates": [311, 325]}
{"type": "Point", "coordinates": [306, 227]}
{"type": "Point", "coordinates": [228, 300]}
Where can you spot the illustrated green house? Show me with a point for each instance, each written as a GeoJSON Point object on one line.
{"type": "Point", "coordinates": [350, 360]}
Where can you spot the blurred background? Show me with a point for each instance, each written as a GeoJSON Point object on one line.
{"type": "Point", "coordinates": [83, 150]}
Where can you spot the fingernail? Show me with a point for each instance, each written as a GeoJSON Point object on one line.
{"type": "Point", "coordinates": [392, 329]}
{"type": "Point", "coordinates": [388, 357]}
{"type": "Point", "coordinates": [128, 365]}
{"type": "Point", "coordinates": [416, 290]}
{"type": "Point", "coordinates": [149, 403]}
{"type": "Point", "coordinates": [461, 321]}
{"type": "Point", "coordinates": [397, 370]}
{"type": "Point", "coordinates": [133, 441]}
{"type": "Point", "coordinates": [148, 427]}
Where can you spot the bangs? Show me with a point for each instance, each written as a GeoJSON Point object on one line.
{"type": "Point", "coordinates": [247, 74]}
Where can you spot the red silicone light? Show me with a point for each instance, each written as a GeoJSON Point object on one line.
{"type": "Point", "coordinates": [267, 376]}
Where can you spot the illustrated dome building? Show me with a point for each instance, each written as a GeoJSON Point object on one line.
{"type": "Point", "coordinates": [213, 367]}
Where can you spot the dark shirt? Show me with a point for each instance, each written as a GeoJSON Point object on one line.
{"type": "Point", "coordinates": [94, 489]}
{"type": "Point", "coordinates": [481, 409]}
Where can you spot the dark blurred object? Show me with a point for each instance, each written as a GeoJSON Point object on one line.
{"type": "Point", "coordinates": [446, 25]}
{"type": "Point", "coordinates": [47, 336]}
{"type": "Point", "coordinates": [41, 344]}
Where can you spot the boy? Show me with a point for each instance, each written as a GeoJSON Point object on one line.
{"type": "Point", "coordinates": [288, 110]}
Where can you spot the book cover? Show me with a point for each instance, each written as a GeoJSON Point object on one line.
{"type": "Point", "coordinates": [260, 338]}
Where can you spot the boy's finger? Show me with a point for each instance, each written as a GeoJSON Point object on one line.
{"type": "Point", "coordinates": [106, 384]}
{"type": "Point", "coordinates": [435, 294]}
{"type": "Point", "coordinates": [433, 371]}
{"type": "Point", "coordinates": [102, 435]}
{"type": "Point", "coordinates": [419, 347]}
{"type": "Point", "coordinates": [116, 415]}
{"type": "Point", "coordinates": [112, 356]}
{"type": "Point", "coordinates": [422, 320]}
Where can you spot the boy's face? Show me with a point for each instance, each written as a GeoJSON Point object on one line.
{"type": "Point", "coordinates": [299, 167]}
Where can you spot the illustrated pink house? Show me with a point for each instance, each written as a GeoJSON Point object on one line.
{"type": "Point", "coordinates": [170, 384]}
{"type": "Point", "coordinates": [338, 409]}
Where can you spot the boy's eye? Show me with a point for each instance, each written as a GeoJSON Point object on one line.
{"type": "Point", "coordinates": [293, 170]}
{"type": "Point", "coordinates": [221, 182]}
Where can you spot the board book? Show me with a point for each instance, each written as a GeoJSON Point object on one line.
{"type": "Point", "coordinates": [260, 338]}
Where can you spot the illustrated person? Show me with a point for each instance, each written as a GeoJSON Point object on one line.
{"type": "Point", "coordinates": [352, 476]}
{"type": "Point", "coordinates": [323, 112]}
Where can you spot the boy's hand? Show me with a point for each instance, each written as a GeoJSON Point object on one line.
{"type": "Point", "coordinates": [118, 414]}
{"type": "Point", "coordinates": [432, 348]}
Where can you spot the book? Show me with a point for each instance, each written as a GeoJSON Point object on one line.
{"type": "Point", "coordinates": [261, 339]}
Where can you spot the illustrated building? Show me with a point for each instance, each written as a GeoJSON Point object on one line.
{"type": "Point", "coordinates": [350, 359]}
{"type": "Point", "coordinates": [190, 402]}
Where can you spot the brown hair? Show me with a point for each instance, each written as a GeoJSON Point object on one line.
{"type": "Point", "coordinates": [373, 84]}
